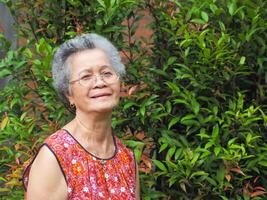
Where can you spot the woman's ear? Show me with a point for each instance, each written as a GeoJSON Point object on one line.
{"type": "Point", "coordinates": [69, 97]}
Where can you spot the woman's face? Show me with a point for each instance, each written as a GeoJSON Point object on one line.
{"type": "Point", "coordinates": [92, 93]}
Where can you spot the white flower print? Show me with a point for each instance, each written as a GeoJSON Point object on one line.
{"type": "Point", "coordinates": [73, 161]}
{"type": "Point", "coordinates": [100, 194]}
{"type": "Point", "coordinates": [106, 176]}
{"type": "Point", "coordinates": [85, 189]}
{"type": "Point", "coordinates": [69, 190]}
{"type": "Point", "coordinates": [122, 189]}
{"type": "Point", "coordinates": [116, 178]}
{"type": "Point", "coordinates": [112, 191]}
{"type": "Point", "coordinates": [94, 186]}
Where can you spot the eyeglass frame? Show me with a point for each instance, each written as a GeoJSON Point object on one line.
{"type": "Point", "coordinates": [93, 76]}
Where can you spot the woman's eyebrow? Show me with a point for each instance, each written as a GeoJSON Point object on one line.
{"type": "Point", "coordinates": [90, 69]}
{"type": "Point", "coordinates": [105, 66]}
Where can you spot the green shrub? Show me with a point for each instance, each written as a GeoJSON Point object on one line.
{"type": "Point", "coordinates": [194, 110]}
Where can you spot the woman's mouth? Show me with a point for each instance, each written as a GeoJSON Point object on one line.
{"type": "Point", "coordinates": [101, 95]}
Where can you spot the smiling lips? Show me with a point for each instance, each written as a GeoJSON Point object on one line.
{"type": "Point", "coordinates": [101, 95]}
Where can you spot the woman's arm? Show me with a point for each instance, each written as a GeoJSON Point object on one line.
{"type": "Point", "coordinates": [46, 180]}
{"type": "Point", "coordinates": [137, 191]}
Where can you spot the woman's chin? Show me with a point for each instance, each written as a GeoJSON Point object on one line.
{"type": "Point", "coordinates": [103, 108]}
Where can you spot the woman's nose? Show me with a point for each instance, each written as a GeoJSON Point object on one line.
{"type": "Point", "coordinates": [99, 81]}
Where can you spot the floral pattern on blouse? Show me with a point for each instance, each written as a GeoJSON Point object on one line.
{"type": "Point", "coordinates": [89, 177]}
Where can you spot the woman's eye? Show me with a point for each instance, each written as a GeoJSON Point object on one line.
{"type": "Point", "coordinates": [107, 74]}
{"type": "Point", "coordinates": [86, 77]}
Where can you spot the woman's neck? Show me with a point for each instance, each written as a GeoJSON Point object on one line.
{"type": "Point", "coordinates": [96, 126]}
{"type": "Point", "coordinates": [94, 132]}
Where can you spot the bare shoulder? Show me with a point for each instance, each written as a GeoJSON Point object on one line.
{"type": "Point", "coordinates": [46, 180]}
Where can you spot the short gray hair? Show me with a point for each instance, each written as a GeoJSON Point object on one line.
{"type": "Point", "coordinates": [60, 69]}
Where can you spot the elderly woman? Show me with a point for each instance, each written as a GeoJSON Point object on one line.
{"type": "Point", "coordinates": [85, 160]}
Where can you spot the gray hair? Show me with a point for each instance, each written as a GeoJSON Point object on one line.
{"type": "Point", "coordinates": [60, 69]}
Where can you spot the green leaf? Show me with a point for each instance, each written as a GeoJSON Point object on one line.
{"type": "Point", "coordinates": [102, 3]}
{"type": "Point", "coordinates": [220, 174]}
{"type": "Point", "coordinates": [211, 181]}
{"type": "Point", "coordinates": [143, 110]}
{"type": "Point", "coordinates": [209, 144]}
{"type": "Point", "coordinates": [222, 27]}
{"type": "Point", "coordinates": [163, 147]}
{"type": "Point", "coordinates": [4, 73]}
{"type": "Point", "coordinates": [23, 116]}
{"type": "Point", "coordinates": [213, 8]}
{"type": "Point", "coordinates": [160, 165]}
{"type": "Point", "coordinates": [159, 71]}
{"type": "Point", "coordinates": [137, 154]}
{"type": "Point", "coordinates": [173, 122]}
{"type": "Point", "coordinates": [205, 16]}
{"type": "Point", "coordinates": [171, 60]}
{"type": "Point", "coordinates": [232, 8]}
{"type": "Point", "coordinates": [4, 122]}
{"type": "Point", "coordinates": [178, 153]}
{"type": "Point", "coordinates": [168, 107]}
{"type": "Point", "coordinates": [195, 158]}
{"type": "Point", "coordinates": [198, 21]}
{"type": "Point", "coordinates": [203, 134]}
{"type": "Point", "coordinates": [224, 198]}
{"type": "Point", "coordinates": [181, 101]}
{"type": "Point", "coordinates": [217, 150]}
{"type": "Point", "coordinates": [113, 3]}
{"type": "Point", "coordinates": [215, 132]}
{"type": "Point", "coordinates": [170, 153]}
{"type": "Point", "coordinates": [230, 142]}
{"type": "Point", "coordinates": [128, 105]}
{"type": "Point", "coordinates": [263, 163]}
{"type": "Point", "coordinates": [249, 121]}
{"type": "Point", "coordinates": [195, 106]}
{"type": "Point", "coordinates": [187, 117]}
{"type": "Point", "coordinates": [242, 60]}
{"type": "Point", "coordinates": [4, 190]}
{"type": "Point", "coordinates": [174, 87]}
{"type": "Point", "coordinates": [199, 173]}
{"type": "Point", "coordinates": [133, 144]}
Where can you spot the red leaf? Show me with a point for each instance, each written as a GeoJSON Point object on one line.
{"type": "Point", "coordinates": [17, 161]}
{"type": "Point", "coordinates": [259, 188]}
{"type": "Point", "coordinates": [257, 193]}
{"type": "Point", "coordinates": [132, 89]}
{"type": "Point", "coordinates": [237, 170]}
{"type": "Point", "coordinates": [146, 161]}
{"type": "Point", "coordinates": [140, 135]}
{"type": "Point", "coordinates": [256, 179]}
{"type": "Point", "coordinates": [39, 30]}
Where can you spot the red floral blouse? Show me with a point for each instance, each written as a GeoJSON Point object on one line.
{"type": "Point", "coordinates": [90, 177]}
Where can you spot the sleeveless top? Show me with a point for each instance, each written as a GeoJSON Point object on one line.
{"type": "Point", "coordinates": [90, 177]}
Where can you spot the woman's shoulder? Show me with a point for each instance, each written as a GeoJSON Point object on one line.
{"type": "Point", "coordinates": [47, 155]}
{"type": "Point", "coordinates": [60, 137]}
{"type": "Point", "coordinates": [61, 133]}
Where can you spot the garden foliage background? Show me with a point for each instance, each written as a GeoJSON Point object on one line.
{"type": "Point", "coordinates": [194, 106]}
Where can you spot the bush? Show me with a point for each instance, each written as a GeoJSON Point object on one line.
{"type": "Point", "coordinates": [194, 106]}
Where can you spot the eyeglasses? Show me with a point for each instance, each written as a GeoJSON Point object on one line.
{"type": "Point", "coordinates": [88, 79]}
